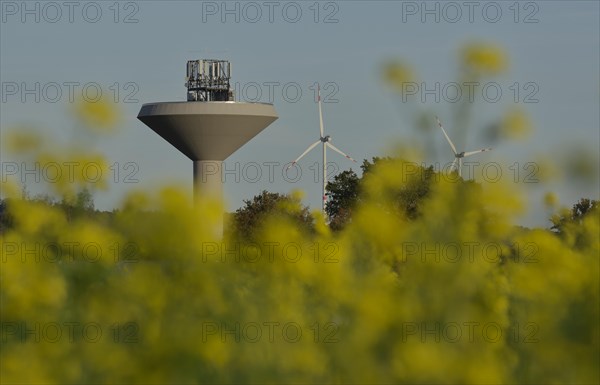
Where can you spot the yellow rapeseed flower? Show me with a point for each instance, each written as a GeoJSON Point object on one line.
{"type": "Point", "coordinates": [516, 125]}
{"type": "Point", "coordinates": [21, 140]}
{"type": "Point", "coordinates": [484, 59]}
{"type": "Point", "coordinates": [100, 116]}
{"type": "Point", "coordinates": [396, 74]}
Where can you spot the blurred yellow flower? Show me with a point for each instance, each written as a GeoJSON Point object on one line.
{"type": "Point", "coordinates": [10, 187]}
{"type": "Point", "coordinates": [516, 125]}
{"type": "Point", "coordinates": [582, 164]}
{"type": "Point", "coordinates": [550, 199]}
{"type": "Point", "coordinates": [396, 74]}
{"type": "Point", "coordinates": [542, 170]}
{"type": "Point", "coordinates": [484, 59]}
{"type": "Point", "coordinates": [68, 171]}
{"type": "Point", "coordinates": [100, 116]}
{"type": "Point", "coordinates": [22, 139]}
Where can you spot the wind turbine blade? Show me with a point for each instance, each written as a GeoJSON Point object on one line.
{"type": "Point", "coordinates": [334, 148]}
{"type": "Point", "coordinates": [478, 151]}
{"type": "Point", "coordinates": [453, 166]}
{"type": "Point", "coordinates": [320, 110]}
{"type": "Point", "coordinates": [446, 135]}
{"type": "Point", "coordinates": [304, 153]}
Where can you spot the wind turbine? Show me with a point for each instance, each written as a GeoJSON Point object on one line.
{"type": "Point", "coordinates": [458, 155]}
{"type": "Point", "coordinates": [326, 141]}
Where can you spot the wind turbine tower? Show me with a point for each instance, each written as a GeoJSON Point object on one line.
{"type": "Point", "coordinates": [210, 126]}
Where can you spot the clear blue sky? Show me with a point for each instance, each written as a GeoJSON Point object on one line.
{"type": "Point", "coordinates": [559, 54]}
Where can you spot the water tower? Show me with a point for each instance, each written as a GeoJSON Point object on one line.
{"type": "Point", "coordinates": [210, 126]}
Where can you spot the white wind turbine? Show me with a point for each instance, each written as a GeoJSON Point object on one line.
{"type": "Point", "coordinates": [458, 155]}
{"type": "Point", "coordinates": [326, 140]}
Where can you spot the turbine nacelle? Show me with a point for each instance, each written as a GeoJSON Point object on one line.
{"type": "Point", "coordinates": [326, 138]}
{"type": "Point", "coordinates": [458, 156]}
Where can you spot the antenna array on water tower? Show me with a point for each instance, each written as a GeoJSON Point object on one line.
{"type": "Point", "coordinates": [208, 80]}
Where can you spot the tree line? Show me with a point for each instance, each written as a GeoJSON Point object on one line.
{"type": "Point", "coordinates": [344, 194]}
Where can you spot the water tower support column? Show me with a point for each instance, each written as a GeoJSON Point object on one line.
{"type": "Point", "coordinates": [208, 182]}
{"type": "Point", "coordinates": [208, 185]}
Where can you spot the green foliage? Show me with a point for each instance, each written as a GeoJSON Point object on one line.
{"type": "Point", "coordinates": [569, 224]}
{"type": "Point", "coordinates": [5, 219]}
{"type": "Point", "coordinates": [250, 219]}
{"type": "Point", "coordinates": [82, 205]}
{"type": "Point", "coordinates": [84, 200]}
{"type": "Point", "coordinates": [580, 209]}
{"type": "Point", "coordinates": [343, 195]}
{"type": "Point", "coordinates": [346, 190]}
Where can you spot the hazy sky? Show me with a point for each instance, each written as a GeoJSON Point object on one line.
{"type": "Point", "coordinates": [140, 49]}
